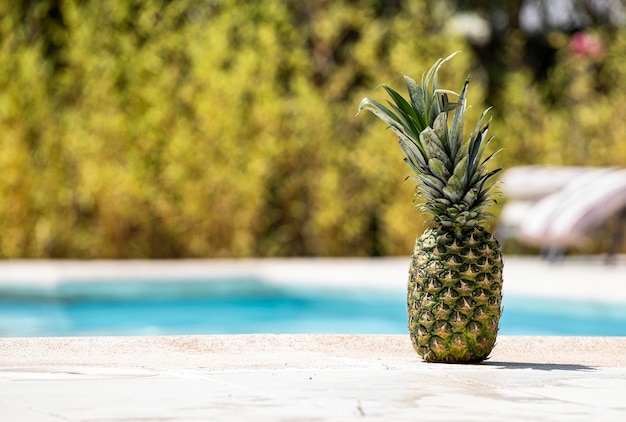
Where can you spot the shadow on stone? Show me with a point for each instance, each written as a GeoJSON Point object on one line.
{"type": "Point", "coordinates": [541, 366]}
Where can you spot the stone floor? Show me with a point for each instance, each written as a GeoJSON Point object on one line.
{"type": "Point", "coordinates": [307, 378]}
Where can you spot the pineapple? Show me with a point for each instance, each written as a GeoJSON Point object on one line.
{"type": "Point", "coordinates": [455, 277]}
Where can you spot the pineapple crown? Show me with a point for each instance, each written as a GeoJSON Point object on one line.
{"type": "Point", "coordinates": [453, 182]}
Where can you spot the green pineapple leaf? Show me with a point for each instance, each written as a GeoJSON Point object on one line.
{"type": "Point", "coordinates": [454, 184]}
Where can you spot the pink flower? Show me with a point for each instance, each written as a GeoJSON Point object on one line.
{"type": "Point", "coordinates": [587, 45]}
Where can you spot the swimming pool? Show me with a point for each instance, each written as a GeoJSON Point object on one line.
{"type": "Point", "coordinates": [249, 305]}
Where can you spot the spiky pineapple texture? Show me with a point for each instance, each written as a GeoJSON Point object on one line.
{"type": "Point", "coordinates": [455, 278]}
{"type": "Point", "coordinates": [454, 294]}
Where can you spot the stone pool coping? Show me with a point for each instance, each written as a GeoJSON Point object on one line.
{"type": "Point", "coordinates": [307, 377]}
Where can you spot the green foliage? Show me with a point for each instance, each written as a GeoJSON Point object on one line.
{"type": "Point", "coordinates": [136, 128]}
{"type": "Point", "coordinates": [143, 129]}
{"type": "Point", "coordinates": [574, 116]}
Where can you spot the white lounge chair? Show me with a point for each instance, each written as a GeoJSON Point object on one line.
{"type": "Point", "coordinates": [558, 208]}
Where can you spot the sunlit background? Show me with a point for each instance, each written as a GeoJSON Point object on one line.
{"type": "Point", "coordinates": [221, 128]}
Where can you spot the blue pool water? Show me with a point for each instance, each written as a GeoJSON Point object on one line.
{"type": "Point", "coordinates": [251, 306]}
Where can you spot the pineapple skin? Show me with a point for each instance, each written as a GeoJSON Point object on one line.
{"type": "Point", "coordinates": [455, 294]}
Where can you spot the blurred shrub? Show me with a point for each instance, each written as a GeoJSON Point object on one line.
{"type": "Point", "coordinates": [146, 129]}
{"type": "Point", "coordinates": [133, 128]}
{"type": "Point", "coordinates": [572, 117]}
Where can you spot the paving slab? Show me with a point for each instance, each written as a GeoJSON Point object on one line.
{"type": "Point", "coordinates": [304, 377]}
